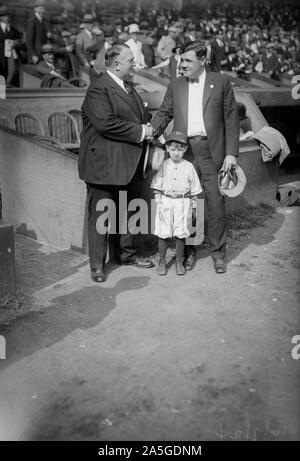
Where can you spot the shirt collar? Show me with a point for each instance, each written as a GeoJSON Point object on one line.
{"type": "Point", "coordinates": [199, 79]}
{"type": "Point", "coordinates": [116, 79]}
{"type": "Point", "coordinates": [38, 16]}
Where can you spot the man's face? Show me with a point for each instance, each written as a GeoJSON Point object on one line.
{"type": "Point", "coordinates": [49, 57]}
{"type": "Point", "coordinates": [176, 150]}
{"type": "Point", "coordinates": [88, 26]}
{"type": "Point", "coordinates": [4, 18]}
{"type": "Point", "coordinates": [191, 66]}
{"type": "Point", "coordinates": [40, 10]}
{"type": "Point", "coordinates": [126, 64]}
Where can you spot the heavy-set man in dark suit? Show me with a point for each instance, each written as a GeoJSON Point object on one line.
{"type": "Point", "coordinates": [36, 33]}
{"type": "Point", "coordinates": [111, 155]}
{"type": "Point", "coordinates": [203, 106]}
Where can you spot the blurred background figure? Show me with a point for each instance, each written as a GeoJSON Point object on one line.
{"type": "Point", "coordinates": [10, 42]}
{"type": "Point", "coordinates": [135, 45]}
{"type": "Point", "coordinates": [36, 33]}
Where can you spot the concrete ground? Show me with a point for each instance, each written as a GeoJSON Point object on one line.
{"type": "Point", "coordinates": [144, 357]}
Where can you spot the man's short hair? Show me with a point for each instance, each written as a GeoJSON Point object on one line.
{"type": "Point", "coordinates": [113, 53]}
{"type": "Point", "coordinates": [199, 46]}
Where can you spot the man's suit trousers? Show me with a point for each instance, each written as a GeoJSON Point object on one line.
{"type": "Point", "coordinates": [214, 201]}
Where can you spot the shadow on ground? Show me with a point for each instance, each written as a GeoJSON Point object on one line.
{"type": "Point", "coordinates": [82, 309]}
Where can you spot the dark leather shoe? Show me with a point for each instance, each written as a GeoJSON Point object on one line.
{"type": "Point", "coordinates": [189, 263]}
{"type": "Point", "coordinates": [144, 263]}
{"type": "Point", "coordinates": [161, 267]}
{"type": "Point", "coordinates": [220, 266]}
{"type": "Point", "coordinates": [180, 270]}
{"type": "Point", "coordinates": [98, 275]}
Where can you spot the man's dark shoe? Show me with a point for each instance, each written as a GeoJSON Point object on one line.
{"type": "Point", "coordinates": [180, 270]}
{"type": "Point", "coordinates": [189, 263]}
{"type": "Point", "coordinates": [220, 266]}
{"type": "Point", "coordinates": [97, 275]}
{"type": "Point", "coordinates": [161, 266]}
{"type": "Point", "coordinates": [136, 261]}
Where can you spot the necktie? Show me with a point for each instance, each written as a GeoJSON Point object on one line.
{"type": "Point", "coordinates": [129, 90]}
{"type": "Point", "coordinates": [194, 80]}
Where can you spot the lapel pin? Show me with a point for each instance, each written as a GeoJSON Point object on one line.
{"type": "Point", "coordinates": [211, 86]}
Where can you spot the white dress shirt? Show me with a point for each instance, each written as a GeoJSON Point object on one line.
{"type": "Point", "coordinates": [196, 125]}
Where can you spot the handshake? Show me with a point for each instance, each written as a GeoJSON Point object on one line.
{"type": "Point", "coordinates": [150, 132]}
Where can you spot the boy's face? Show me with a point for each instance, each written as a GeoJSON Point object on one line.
{"type": "Point", "coordinates": [176, 150]}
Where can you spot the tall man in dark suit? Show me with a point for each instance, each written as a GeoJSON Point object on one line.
{"type": "Point", "coordinates": [36, 33]}
{"type": "Point", "coordinates": [111, 153]}
{"type": "Point", "coordinates": [203, 106]}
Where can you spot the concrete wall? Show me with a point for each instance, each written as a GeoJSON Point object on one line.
{"type": "Point", "coordinates": [42, 195]}
{"type": "Point", "coordinates": [43, 102]}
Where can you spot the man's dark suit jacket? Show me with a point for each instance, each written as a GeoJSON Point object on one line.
{"type": "Point", "coordinates": [219, 113]}
{"type": "Point", "coordinates": [13, 34]}
{"type": "Point", "coordinates": [110, 147]}
{"type": "Point", "coordinates": [36, 37]}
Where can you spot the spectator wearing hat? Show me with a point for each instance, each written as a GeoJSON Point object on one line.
{"type": "Point", "coordinates": [270, 61]}
{"type": "Point", "coordinates": [51, 76]}
{"type": "Point", "coordinates": [65, 60]}
{"type": "Point", "coordinates": [36, 33]}
{"type": "Point", "coordinates": [97, 52]}
{"type": "Point", "coordinates": [9, 43]}
{"type": "Point", "coordinates": [85, 40]}
{"type": "Point", "coordinates": [148, 49]}
{"type": "Point", "coordinates": [217, 58]}
{"type": "Point", "coordinates": [104, 42]}
{"type": "Point", "coordinates": [166, 44]}
{"type": "Point", "coordinates": [136, 46]}
{"type": "Point", "coordinates": [176, 186]}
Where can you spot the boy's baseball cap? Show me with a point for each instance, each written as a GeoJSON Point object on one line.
{"type": "Point", "coordinates": [177, 136]}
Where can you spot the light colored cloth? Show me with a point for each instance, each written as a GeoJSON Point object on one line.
{"type": "Point", "coordinates": [136, 48]}
{"type": "Point", "coordinates": [196, 125]}
{"type": "Point", "coordinates": [179, 178]}
{"type": "Point", "coordinates": [275, 143]}
{"type": "Point", "coordinates": [174, 215]}
{"type": "Point", "coordinates": [165, 47]}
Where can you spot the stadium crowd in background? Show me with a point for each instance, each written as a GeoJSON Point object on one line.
{"type": "Point", "coordinates": [242, 37]}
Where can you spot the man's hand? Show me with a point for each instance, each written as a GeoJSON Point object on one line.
{"type": "Point", "coordinates": [149, 132]}
{"type": "Point", "coordinates": [229, 162]}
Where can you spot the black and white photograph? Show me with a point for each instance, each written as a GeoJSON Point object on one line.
{"type": "Point", "coordinates": [149, 224]}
